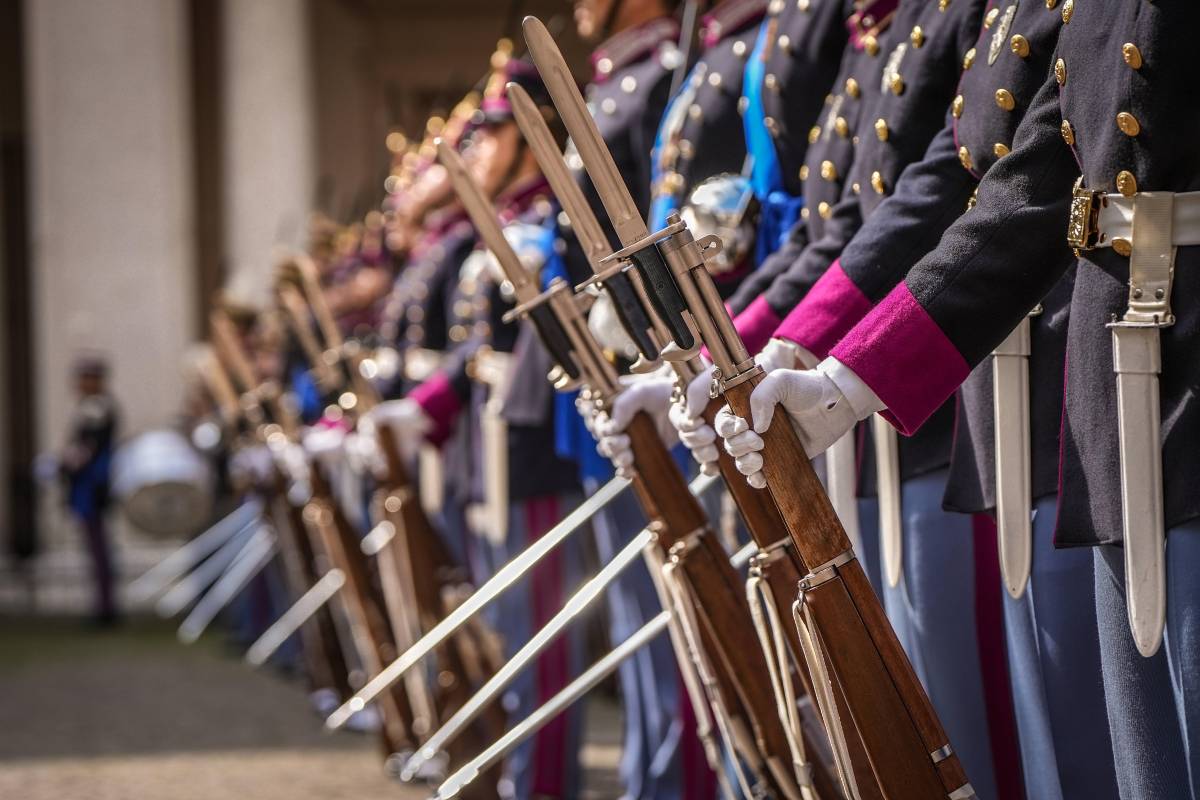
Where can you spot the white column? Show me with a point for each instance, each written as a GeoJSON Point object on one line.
{"type": "Point", "coordinates": [110, 176]}
{"type": "Point", "coordinates": [268, 137]}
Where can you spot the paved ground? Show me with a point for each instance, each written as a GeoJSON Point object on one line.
{"type": "Point", "coordinates": [132, 715]}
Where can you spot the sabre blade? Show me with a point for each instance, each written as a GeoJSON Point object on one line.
{"type": "Point", "coordinates": [291, 620]}
{"type": "Point", "coordinates": [493, 588]}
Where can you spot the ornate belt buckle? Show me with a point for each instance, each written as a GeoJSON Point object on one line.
{"type": "Point", "coordinates": [1082, 228]}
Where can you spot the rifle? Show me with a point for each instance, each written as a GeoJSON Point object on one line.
{"type": "Point", "coordinates": [339, 542]}
{"type": "Point", "coordinates": [845, 633]}
{"type": "Point", "coordinates": [713, 587]}
{"type": "Point", "coordinates": [419, 576]}
{"type": "Point", "coordinates": [778, 567]}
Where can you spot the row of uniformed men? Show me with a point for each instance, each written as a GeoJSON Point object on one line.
{"type": "Point", "coordinates": [911, 166]}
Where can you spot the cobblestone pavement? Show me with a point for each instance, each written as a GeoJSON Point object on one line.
{"type": "Point", "coordinates": [132, 715]}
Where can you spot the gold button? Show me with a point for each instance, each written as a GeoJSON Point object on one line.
{"type": "Point", "coordinates": [1122, 247]}
{"type": "Point", "coordinates": [842, 127]}
{"type": "Point", "coordinates": [1068, 133]}
{"type": "Point", "coordinates": [1128, 124]}
{"type": "Point", "coordinates": [956, 108]}
{"type": "Point", "coordinates": [917, 37]}
{"type": "Point", "coordinates": [896, 84]}
{"type": "Point", "coordinates": [828, 171]}
{"type": "Point", "coordinates": [771, 125]}
{"type": "Point", "coordinates": [968, 58]}
{"type": "Point", "coordinates": [1005, 100]}
{"type": "Point", "coordinates": [814, 133]}
{"type": "Point", "coordinates": [771, 82]}
{"type": "Point", "coordinates": [852, 87]}
{"type": "Point", "coordinates": [871, 45]}
{"type": "Point", "coordinates": [1060, 71]}
{"type": "Point", "coordinates": [1051, 3]}
{"type": "Point", "coordinates": [943, 5]}
{"type": "Point", "coordinates": [856, 187]}
{"type": "Point", "coordinates": [964, 156]}
{"type": "Point", "coordinates": [1067, 10]}
{"type": "Point", "coordinates": [1131, 54]}
{"type": "Point", "coordinates": [804, 213]}
{"type": "Point", "coordinates": [1126, 183]}
{"type": "Point", "coordinates": [803, 4]}
{"type": "Point", "coordinates": [785, 42]}
{"type": "Point", "coordinates": [990, 19]}
{"type": "Point", "coordinates": [881, 129]}
{"type": "Point", "coordinates": [804, 172]}
{"type": "Point", "coordinates": [824, 209]}
{"type": "Point", "coordinates": [877, 182]}
{"type": "Point", "coordinates": [1020, 45]}
{"type": "Point", "coordinates": [1000, 149]}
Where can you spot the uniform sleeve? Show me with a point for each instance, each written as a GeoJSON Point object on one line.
{"type": "Point", "coordinates": [775, 265]}
{"type": "Point", "coordinates": [793, 284]}
{"type": "Point", "coordinates": [929, 196]}
{"type": "Point", "coordinates": [992, 266]}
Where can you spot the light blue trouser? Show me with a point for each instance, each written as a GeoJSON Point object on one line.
{"type": "Point", "coordinates": [932, 609]}
{"type": "Point", "coordinates": [650, 692]}
{"type": "Point", "coordinates": [1154, 703]}
{"type": "Point", "coordinates": [1054, 668]}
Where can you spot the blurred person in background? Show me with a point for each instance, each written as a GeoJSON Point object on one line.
{"type": "Point", "coordinates": [86, 466]}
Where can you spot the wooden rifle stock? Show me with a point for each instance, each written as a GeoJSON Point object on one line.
{"type": "Point", "coordinates": [365, 608]}
{"type": "Point", "coordinates": [782, 568]}
{"type": "Point", "coordinates": [431, 576]}
{"type": "Point", "coordinates": [718, 590]}
{"type": "Point", "coordinates": [867, 662]}
{"type": "Point", "coordinates": [324, 660]}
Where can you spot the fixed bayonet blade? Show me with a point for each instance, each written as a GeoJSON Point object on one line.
{"type": "Point", "coordinates": [633, 314]}
{"type": "Point", "coordinates": [483, 216]}
{"type": "Point", "coordinates": [610, 186]}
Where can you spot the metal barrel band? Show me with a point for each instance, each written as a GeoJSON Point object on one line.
{"type": "Point", "coordinates": [941, 754]}
{"type": "Point", "coordinates": [686, 544]}
{"type": "Point", "coordinates": [745, 371]}
{"type": "Point", "coordinates": [826, 572]}
{"type": "Point", "coordinates": [964, 792]}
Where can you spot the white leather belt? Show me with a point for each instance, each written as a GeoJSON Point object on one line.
{"type": "Point", "coordinates": [1115, 219]}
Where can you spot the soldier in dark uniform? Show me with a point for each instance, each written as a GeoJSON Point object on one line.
{"type": "Point", "coordinates": [1119, 107]}
{"type": "Point", "coordinates": [448, 409]}
{"type": "Point", "coordinates": [633, 65]}
{"type": "Point", "coordinates": [1001, 73]}
{"type": "Point", "coordinates": [931, 607]}
{"type": "Point", "coordinates": [86, 464]}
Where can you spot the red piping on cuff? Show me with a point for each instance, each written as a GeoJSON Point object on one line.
{"type": "Point", "coordinates": [830, 309]}
{"type": "Point", "coordinates": [440, 402]}
{"type": "Point", "coordinates": [906, 359]}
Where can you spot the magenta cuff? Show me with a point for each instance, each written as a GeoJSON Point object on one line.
{"type": "Point", "coordinates": [756, 324]}
{"type": "Point", "coordinates": [440, 402]}
{"type": "Point", "coordinates": [830, 309]}
{"type": "Point", "coordinates": [906, 359]}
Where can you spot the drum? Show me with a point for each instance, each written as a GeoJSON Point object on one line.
{"type": "Point", "coordinates": [164, 486]}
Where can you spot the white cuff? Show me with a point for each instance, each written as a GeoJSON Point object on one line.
{"type": "Point", "coordinates": [857, 393]}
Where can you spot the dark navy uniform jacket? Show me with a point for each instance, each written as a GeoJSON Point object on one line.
{"type": "Point", "coordinates": [903, 109]}
{"type": "Point", "coordinates": [1119, 110]}
{"type": "Point", "coordinates": [1000, 72]}
{"type": "Point", "coordinates": [827, 150]}
{"type": "Point", "coordinates": [454, 399]}
{"type": "Point", "coordinates": [701, 134]}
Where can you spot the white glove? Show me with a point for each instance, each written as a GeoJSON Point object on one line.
{"type": "Point", "coordinates": [783, 354]}
{"type": "Point", "coordinates": [651, 394]}
{"type": "Point", "coordinates": [688, 418]}
{"type": "Point", "coordinates": [251, 466]}
{"type": "Point", "coordinates": [587, 410]}
{"type": "Point", "coordinates": [822, 404]}
{"type": "Point", "coordinates": [408, 421]}
{"type": "Point", "coordinates": [324, 445]}
{"type": "Point", "coordinates": [362, 453]}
